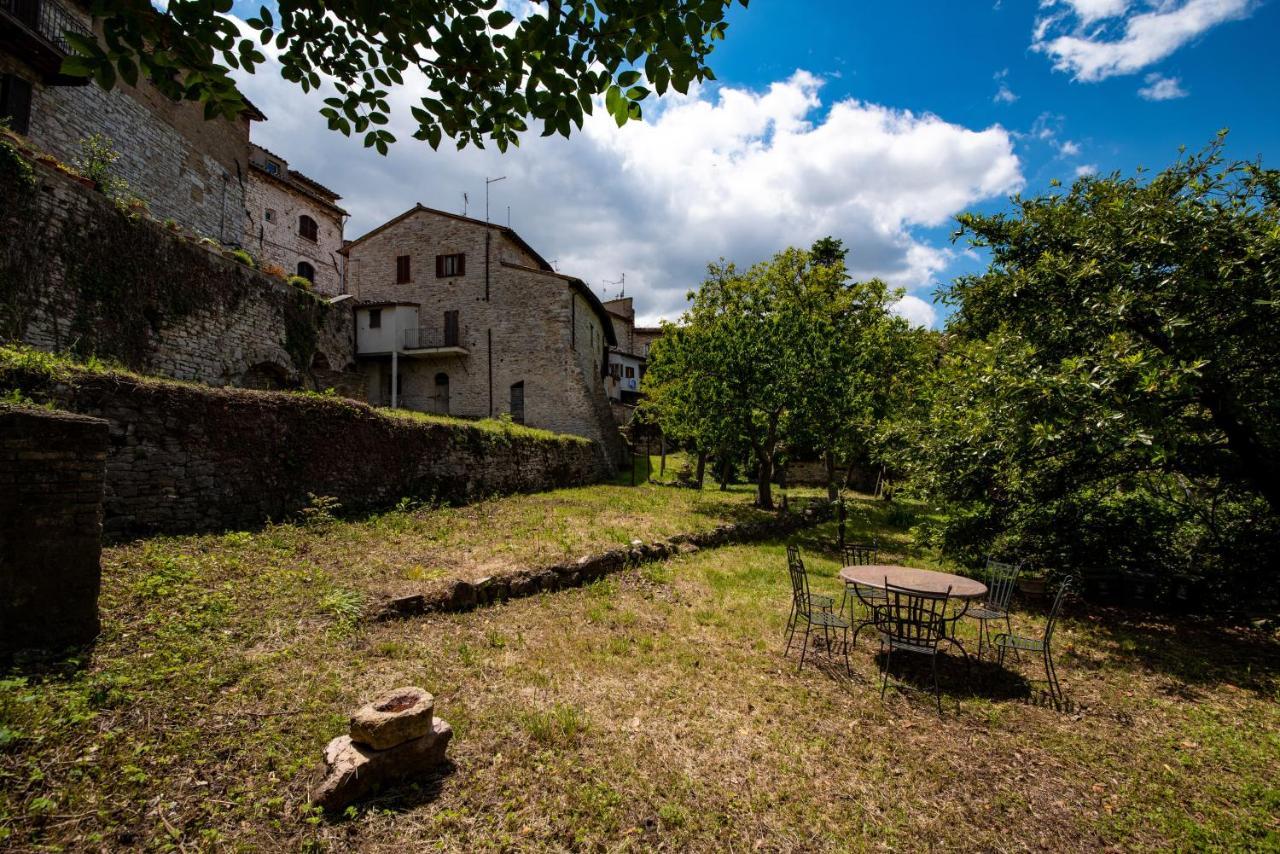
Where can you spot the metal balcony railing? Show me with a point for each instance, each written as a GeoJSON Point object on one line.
{"type": "Point", "coordinates": [47, 19]}
{"type": "Point", "coordinates": [431, 338]}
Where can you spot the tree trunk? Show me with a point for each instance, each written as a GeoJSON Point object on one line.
{"type": "Point", "coordinates": [764, 483]}
{"type": "Point", "coordinates": [702, 468]}
{"type": "Point", "coordinates": [833, 490]}
{"type": "Point", "coordinates": [662, 470]}
{"type": "Point", "coordinates": [725, 464]}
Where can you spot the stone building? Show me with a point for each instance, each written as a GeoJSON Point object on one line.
{"type": "Point", "coordinates": [626, 362]}
{"type": "Point", "coordinates": [461, 317]}
{"type": "Point", "coordinates": [293, 222]}
{"type": "Point", "coordinates": [192, 171]}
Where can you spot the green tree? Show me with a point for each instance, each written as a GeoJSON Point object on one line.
{"type": "Point", "coordinates": [1110, 391]}
{"type": "Point", "coordinates": [486, 72]}
{"type": "Point", "coordinates": [750, 356]}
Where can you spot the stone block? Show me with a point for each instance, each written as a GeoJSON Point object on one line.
{"type": "Point", "coordinates": [353, 771]}
{"type": "Point", "coordinates": [397, 716]}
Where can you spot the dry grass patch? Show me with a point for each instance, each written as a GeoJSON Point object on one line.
{"type": "Point", "coordinates": [652, 710]}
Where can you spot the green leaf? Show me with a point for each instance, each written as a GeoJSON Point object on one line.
{"type": "Point", "coordinates": [499, 19]}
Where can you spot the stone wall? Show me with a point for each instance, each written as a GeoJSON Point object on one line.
{"type": "Point", "coordinates": [184, 457]}
{"type": "Point", "coordinates": [51, 482]}
{"type": "Point", "coordinates": [278, 240]}
{"type": "Point", "coordinates": [79, 275]}
{"type": "Point", "coordinates": [188, 169]}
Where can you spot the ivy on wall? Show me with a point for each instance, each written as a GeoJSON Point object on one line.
{"type": "Point", "coordinates": [119, 278]}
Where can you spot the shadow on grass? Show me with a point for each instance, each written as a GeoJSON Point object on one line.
{"type": "Point", "coordinates": [1191, 651]}
{"type": "Point", "coordinates": [404, 797]}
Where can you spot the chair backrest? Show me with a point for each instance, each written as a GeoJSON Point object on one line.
{"type": "Point", "coordinates": [799, 579]}
{"type": "Point", "coordinates": [1001, 579]}
{"type": "Point", "coordinates": [861, 554]}
{"type": "Point", "coordinates": [913, 616]}
{"type": "Point", "coordinates": [1056, 610]}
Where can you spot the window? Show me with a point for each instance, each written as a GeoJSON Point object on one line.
{"type": "Point", "coordinates": [375, 318]}
{"type": "Point", "coordinates": [615, 370]}
{"type": "Point", "coordinates": [451, 329]}
{"type": "Point", "coordinates": [402, 269]}
{"type": "Point", "coordinates": [451, 265]}
{"type": "Point", "coordinates": [306, 271]}
{"type": "Point", "coordinates": [273, 168]}
{"type": "Point", "coordinates": [269, 215]}
{"type": "Point", "coordinates": [517, 402]}
{"type": "Point", "coordinates": [15, 102]}
{"type": "Point", "coordinates": [442, 393]}
{"type": "Point", "coordinates": [631, 372]}
{"type": "Point", "coordinates": [307, 228]}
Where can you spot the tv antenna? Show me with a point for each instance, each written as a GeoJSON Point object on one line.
{"type": "Point", "coordinates": [622, 282]}
{"type": "Point", "coordinates": [465, 202]}
{"type": "Point", "coordinates": [487, 182]}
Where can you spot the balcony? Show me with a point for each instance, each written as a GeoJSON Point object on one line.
{"type": "Point", "coordinates": [447, 340]}
{"type": "Point", "coordinates": [35, 30]}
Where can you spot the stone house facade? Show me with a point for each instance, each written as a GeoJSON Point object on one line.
{"type": "Point", "coordinates": [293, 222]}
{"type": "Point", "coordinates": [461, 317]}
{"type": "Point", "coordinates": [192, 171]}
{"type": "Point", "coordinates": [626, 363]}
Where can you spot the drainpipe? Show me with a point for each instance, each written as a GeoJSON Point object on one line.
{"type": "Point", "coordinates": [395, 360]}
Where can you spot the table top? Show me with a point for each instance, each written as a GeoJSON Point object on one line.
{"type": "Point", "coordinates": [924, 580]}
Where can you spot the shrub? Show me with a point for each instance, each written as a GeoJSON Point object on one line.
{"type": "Point", "coordinates": [301, 282]}
{"type": "Point", "coordinates": [242, 256]}
{"type": "Point", "coordinates": [273, 270]}
{"type": "Point", "coordinates": [97, 162]}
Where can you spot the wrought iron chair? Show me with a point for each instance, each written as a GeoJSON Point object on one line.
{"type": "Point", "coordinates": [806, 608]}
{"type": "Point", "coordinates": [1001, 580]}
{"type": "Point", "coordinates": [816, 600]}
{"type": "Point", "coordinates": [911, 621]}
{"type": "Point", "coordinates": [860, 554]}
{"type": "Point", "coordinates": [1043, 645]}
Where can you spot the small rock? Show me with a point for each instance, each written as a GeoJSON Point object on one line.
{"type": "Point", "coordinates": [395, 717]}
{"type": "Point", "coordinates": [460, 597]}
{"type": "Point", "coordinates": [353, 771]}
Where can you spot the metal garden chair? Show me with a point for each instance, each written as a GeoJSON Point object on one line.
{"type": "Point", "coordinates": [816, 600]}
{"type": "Point", "coordinates": [1001, 580]}
{"type": "Point", "coordinates": [860, 554]}
{"type": "Point", "coordinates": [806, 608]}
{"type": "Point", "coordinates": [911, 621]}
{"type": "Point", "coordinates": [1043, 645]}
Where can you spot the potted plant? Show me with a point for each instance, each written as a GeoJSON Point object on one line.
{"type": "Point", "coordinates": [1033, 583]}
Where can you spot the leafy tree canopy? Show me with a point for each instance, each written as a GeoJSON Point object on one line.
{"type": "Point", "coordinates": [1109, 394]}
{"type": "Point", "coordinates": [487, 74]}
{"type": "Point", "coordinates": [780, 354]}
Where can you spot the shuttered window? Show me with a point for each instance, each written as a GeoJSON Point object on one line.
{"type": "Point", "coordinates": [451, 265]}
{"type": "Point", "coordinates": [451, 329]}
{"type": "Point", "coordinates": [402, 269]}
{"type": "Point", "coordinates": [15, 102]}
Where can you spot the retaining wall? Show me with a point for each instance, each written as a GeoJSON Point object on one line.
{"type": "Point", "coordinates": [186, 458]}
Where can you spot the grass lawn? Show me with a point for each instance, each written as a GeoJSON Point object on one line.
{"type": "Point", "coordinates": [650, 710]}
{"type": "Point", "coordinates": [399, 551]}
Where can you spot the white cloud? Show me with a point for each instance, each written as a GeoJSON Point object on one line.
{"type": "Point", "coordinates": [1004, 95]}
{"type": "Point", "coordinates": [916, 310]}
{"type": "Point", "coordinates": [1096, 39]}
{"type": "Point", "coordinates": [1068, 148]}
{"type": "Point", "coordinates": [1086, 169]}
{"type": "Point", "coordinates": [728, 173]}
{"type": "Point", "coordinates": [1161, 88]}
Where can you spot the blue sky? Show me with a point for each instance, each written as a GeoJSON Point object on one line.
{"type": "Point", "coordinates": [873, 122]}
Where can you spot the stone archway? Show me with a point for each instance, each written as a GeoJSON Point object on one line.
{"type": "Point", "coordinates": [267, 376]}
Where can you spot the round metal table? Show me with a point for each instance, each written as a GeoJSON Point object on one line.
{"type": "Point", "coordinates": [923, 580]}
{"type": "Point", "coordinates": [964, 590]}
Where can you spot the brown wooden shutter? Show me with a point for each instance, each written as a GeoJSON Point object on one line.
{"type": "Point", "coordinates": [451, 329]}
{"type": "Point", "coordinates": [462, 265]}
{"type": "Point", "coordinates": [439, 266]}
{"type": "Point", "coordinates": [402, 269]}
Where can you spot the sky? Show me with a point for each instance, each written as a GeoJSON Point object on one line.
{"type": "Point", "coordinates": [872, 123]}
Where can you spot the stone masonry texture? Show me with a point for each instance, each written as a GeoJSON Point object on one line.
{"type": "Point", "coordinates": [184, 458]}
{"type": "Point", "coordinates": [51, 486]}
{"type": "Point", "coordinates": [187, 169]}
{"type": "Point", "coordinates": [528, 325]}
{"type": "Point", "coordinates": [79, 275]}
